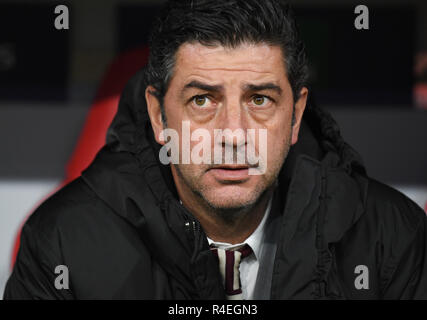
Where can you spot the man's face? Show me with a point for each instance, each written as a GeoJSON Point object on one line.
{"type": "Point", "coordinates": [222, 88]}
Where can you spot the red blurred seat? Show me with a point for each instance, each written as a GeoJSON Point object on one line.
{"type": "Point", "coordinates": [101, 113]}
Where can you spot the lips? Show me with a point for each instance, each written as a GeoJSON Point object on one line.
{"type": "Point", "coordinates": [230, 173]}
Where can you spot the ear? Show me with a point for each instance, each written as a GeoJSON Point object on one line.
{"type": "Point", "coordinates": [299, 111]}
{"type": "Point", "coordinates": [155, 113]}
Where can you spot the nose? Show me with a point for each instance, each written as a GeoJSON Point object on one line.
{"type": "Point", "coordinates": [232, 123]}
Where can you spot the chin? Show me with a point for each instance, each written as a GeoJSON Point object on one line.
{"type": "Point", "coordinates": [231, 198]}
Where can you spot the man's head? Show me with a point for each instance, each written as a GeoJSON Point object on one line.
{"type": "Point", "coordinates": [234, 65]}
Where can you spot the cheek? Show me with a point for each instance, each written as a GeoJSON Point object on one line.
{"type": "Point", "coordinates": [173, 117]}
{"type": "Point", "coordinates": [280, 129]}
{"type": "Point", "coordinates": [173, 108]}
{"type": "Point", "coordinates": [278, 142]}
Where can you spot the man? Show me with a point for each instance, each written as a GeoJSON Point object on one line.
{"type": "Point", "coordinates": [299, 221]}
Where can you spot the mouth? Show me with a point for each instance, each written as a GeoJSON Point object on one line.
{"type": "Point", "coordinates": [230, 173]}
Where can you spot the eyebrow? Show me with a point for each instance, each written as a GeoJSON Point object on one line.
{"type": "Point", "coordinates": [217, 88]}
{"type": "Point", "coordinates": [263, 86]}
{"type": "Point", "coordinates": [203, 86]}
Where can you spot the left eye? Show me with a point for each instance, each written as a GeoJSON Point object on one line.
{"type": "Point", "coordinates": [260, 101]}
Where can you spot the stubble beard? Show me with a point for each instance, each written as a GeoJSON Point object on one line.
{"type": "Point", "coordinates": [230, 213]}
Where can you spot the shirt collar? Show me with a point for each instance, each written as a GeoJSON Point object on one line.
{"type": "Point", "coordinates": [255, 240]}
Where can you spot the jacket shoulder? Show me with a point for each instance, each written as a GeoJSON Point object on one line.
{"type": "Point", "coordinates": [74, 198]}
{"type": "Point", "coordinates": [75, 221]}
{"type": "Point", "coordinates": [391, 207]}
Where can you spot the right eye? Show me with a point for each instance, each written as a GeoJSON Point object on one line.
{"type": "Point", "coordinates": [201, 101]}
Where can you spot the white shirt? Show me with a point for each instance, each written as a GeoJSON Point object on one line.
{"type": "Point", "coordinates": [250, 265]}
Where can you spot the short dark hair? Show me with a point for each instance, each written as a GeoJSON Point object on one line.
{"type": "Point", "coordinates": [228, 23]}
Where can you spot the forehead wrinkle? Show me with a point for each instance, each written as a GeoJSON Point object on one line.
{"type": "Point", "coordinates": [213, 80]}
{"type": "Point", "coordinates": [231, 69]}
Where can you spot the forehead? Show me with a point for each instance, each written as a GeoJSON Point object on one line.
{"type": "Point", "coordinates": [254, 60]}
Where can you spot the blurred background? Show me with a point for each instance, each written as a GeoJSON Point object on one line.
{"type": "Point", "coordinates": [59, 90]}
